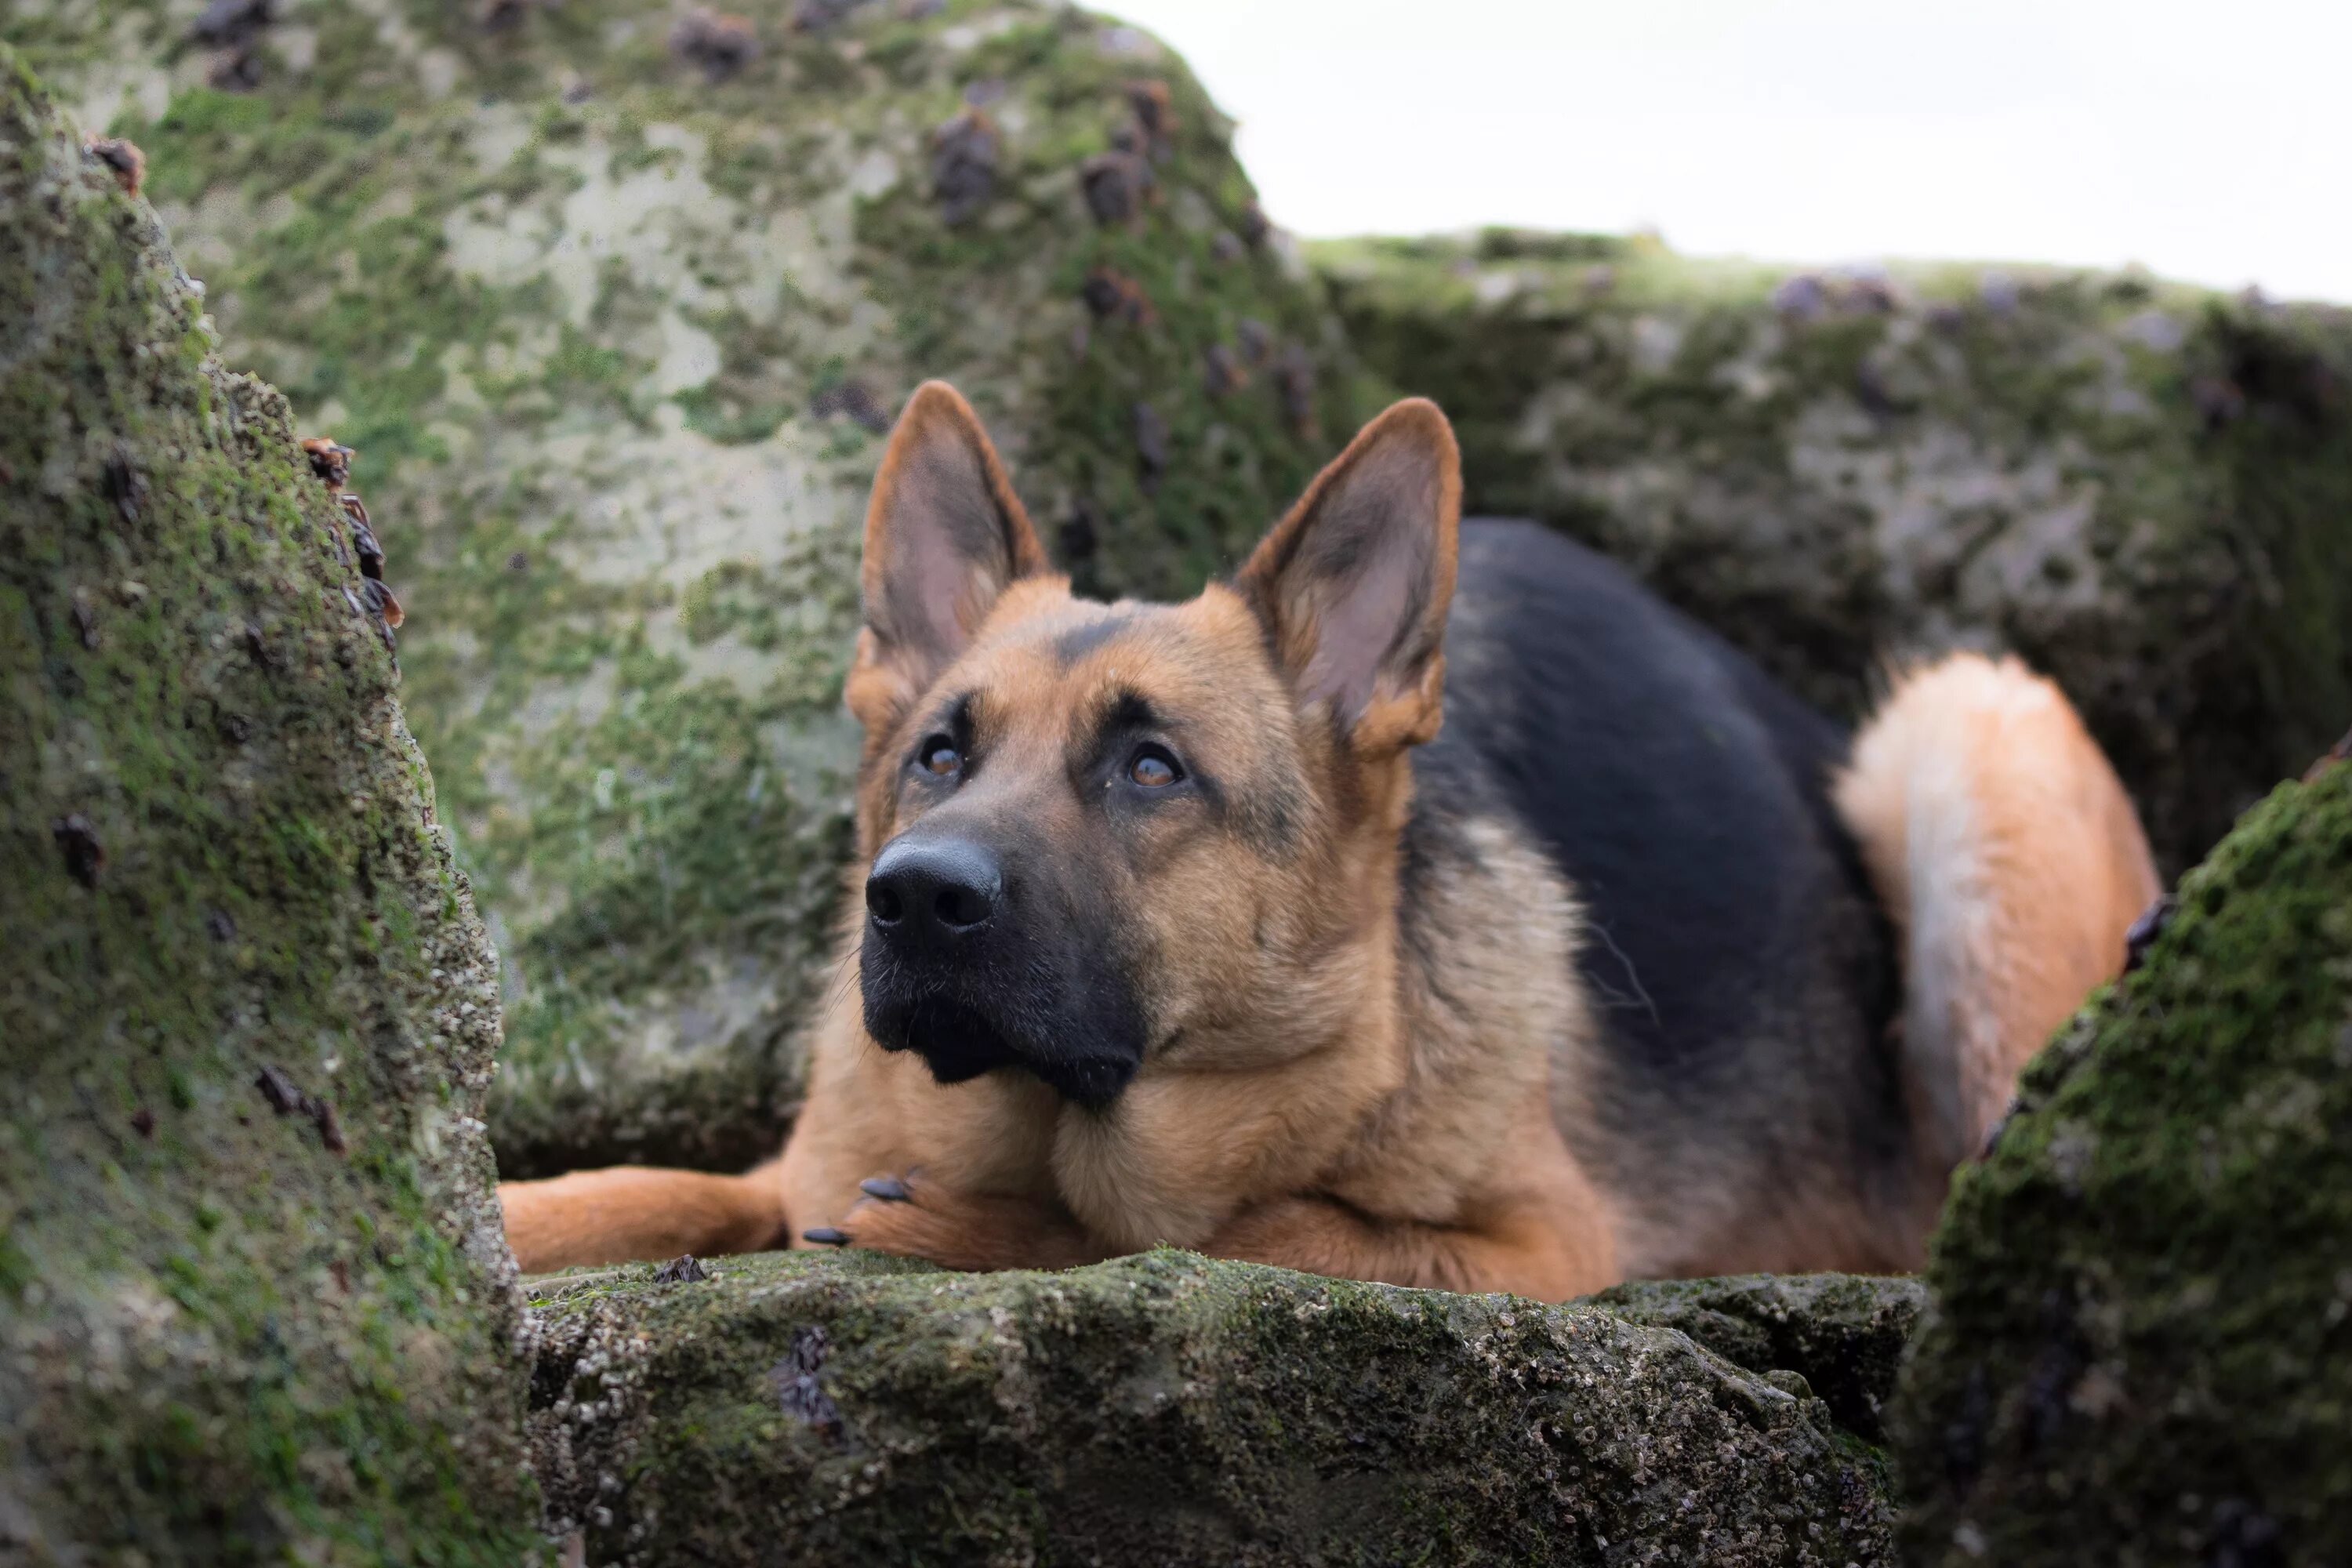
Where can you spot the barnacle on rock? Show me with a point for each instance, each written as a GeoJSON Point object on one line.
{"type": "Point", "coordinates": [330, 461]}
{"type": "Point", "coordinates": [816, 15]}
{"type": "Point", "coordinates": [1115, 183]}
{"type": "Point", "coordinates": [718, 43]}
{"type": "Point", "coordinates": [1221, 371]}
{"type": "Point", "coordinates": [964, 152]}
{"type": "Point", "coordinates": [231, 23]}
{"type": "Point", "coordinates": [497, 15]}
{"type": "Point", "coordinates": [1150, 445]}
{"type": "Point", "coordinates": [1294, 376]}
{"type": "Point", "coordinates": [855, 398]}
{"type": "Point", "coordinates": [1254, 227]}
{"type": "Point", "coordinates": [128, 163]}
{"type": "Point", "coordinates": [237, 70]}
{"type": "Point", "coordinates": [1112, 295]}
{"type": "Point", "coordinates": [1155, 116]}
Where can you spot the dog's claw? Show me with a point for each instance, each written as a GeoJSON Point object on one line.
{"type": "Point", "coordinates": [826, 1235]}
{"type": "Point", "coordinates": [889, 1189]}
{"type": "Point", "coordinates": [2146, 930]}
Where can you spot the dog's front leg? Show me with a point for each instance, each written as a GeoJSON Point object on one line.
{"type": "Point", "coordinates": [1526, 1247]}
{"type": "Point", "coordinates": [633, 1212]}
{"type": "Point", "coordinates": [913, 1217]}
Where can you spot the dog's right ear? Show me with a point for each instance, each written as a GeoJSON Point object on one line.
{"type": "Point", "coordinates": [1353, 586]}
{"type": "Point", "coordinates": [944, 536]}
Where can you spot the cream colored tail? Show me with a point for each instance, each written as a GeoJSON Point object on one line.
{"type": "Point", "coordinates": [2012, 864]}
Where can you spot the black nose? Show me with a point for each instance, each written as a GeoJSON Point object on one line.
{"type": "Point", "coordinates": [930, 890]}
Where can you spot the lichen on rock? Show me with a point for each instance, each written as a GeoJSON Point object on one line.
{"type": "Point", "coordinates": [615, 310]}
{"type": "Point", "coordinates": [2138, 1346]}
{"type": "Point", "coordinates": [2141, 488]}
{"type": "Point", "coordinates": [254, 1300]}
{"type": "Point", "coordinates": [1163, 1409]}
{"type": "Point", "coordinates": [1842, 1334]}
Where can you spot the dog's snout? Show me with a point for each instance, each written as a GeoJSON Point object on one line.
{"type": "Point", "coordinates": [937, 890]}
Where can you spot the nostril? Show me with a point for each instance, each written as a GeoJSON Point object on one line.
{"type": "Point", "coordinates": [919, 893]}
{"type": "Point", "coordinates": [960, 908]}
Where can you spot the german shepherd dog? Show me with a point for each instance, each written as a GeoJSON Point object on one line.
{"type": "Point", "coordinates": [1191, 924]}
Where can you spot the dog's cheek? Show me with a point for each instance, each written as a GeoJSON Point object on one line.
{"type": "Point", "coordinates": [1199, 920]}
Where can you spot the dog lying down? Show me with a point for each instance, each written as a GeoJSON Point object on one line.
{"type": "Point", "coordinates": [1191, 924]}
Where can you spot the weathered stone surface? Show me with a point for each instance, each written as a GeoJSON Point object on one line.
{"type": "Point", "coordinates": [1163, 1409]}
{"type": "Point", "coordinates": [2144, 489]}
{"type": "Point", "coordinates": [2139, 1348]}
{"type": "Point", "coordinates": [254, 1302]}
{"type": "Point", "coordinates": [615, 302]}
{"type": "Point", "coordinates": [1842, 1334]}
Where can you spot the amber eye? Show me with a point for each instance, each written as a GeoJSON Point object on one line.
{"type": "Point", "coordinates": [1153, 768]}
{"type": "Point", "coordinates": [938, 756]}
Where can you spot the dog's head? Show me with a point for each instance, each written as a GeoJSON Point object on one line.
{"type": "Point", "coordinates": [1100, 834]}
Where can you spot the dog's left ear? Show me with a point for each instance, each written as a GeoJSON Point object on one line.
{"type": "Point", "coordinates": [1353, 586]}
{"type": "Point", "coordinates": [945, 536]}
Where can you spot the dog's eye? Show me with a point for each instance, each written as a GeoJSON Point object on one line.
{"type": "Point", "coordinates": [938, 756]}
{"type": "Point", "coordinates": [1153, 767]}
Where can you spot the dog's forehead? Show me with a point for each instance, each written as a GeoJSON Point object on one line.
{"type": "Point", "coordinates": [1177, 652]}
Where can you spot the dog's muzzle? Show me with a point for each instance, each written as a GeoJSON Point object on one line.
{"type": "Point", "coordinates": [952, 969]}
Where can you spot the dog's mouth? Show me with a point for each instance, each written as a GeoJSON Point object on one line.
{"type": "Point", "coordinates": [959, 1043]}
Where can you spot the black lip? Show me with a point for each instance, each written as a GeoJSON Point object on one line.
{"type": "Point", "coordinates": [959, 1043]}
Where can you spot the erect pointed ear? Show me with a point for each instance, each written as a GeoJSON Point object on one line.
{"type": "Point", "coordinates": [944, 536]}
{"type": "Point", "coordinates": [1353, 586]}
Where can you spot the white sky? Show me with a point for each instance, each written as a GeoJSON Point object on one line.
{"type": "Point", "coordinates": [2211, 142]}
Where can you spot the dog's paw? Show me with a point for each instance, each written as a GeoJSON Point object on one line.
{"type": "Point", "coordinates": [881, 1189]}
{"type": "Point", "coordinates": [908, 1216]}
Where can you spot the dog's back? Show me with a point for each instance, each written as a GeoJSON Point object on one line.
{"type": "Point", "coordinates": [1745, 1101]}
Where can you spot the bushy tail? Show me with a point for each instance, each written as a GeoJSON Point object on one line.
{"type": "Point", "coordinates": [2011, 864]}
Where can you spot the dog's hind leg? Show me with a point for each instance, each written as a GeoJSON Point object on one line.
{"type": "Point", "coordinates": [2011, 864]}
{"type": "Point", "coordinates": [632, 1212]}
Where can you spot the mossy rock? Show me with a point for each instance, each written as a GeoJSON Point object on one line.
{"type": "Point", "coordinates": [255, 1305]}
{"type": "Point", "coordinates": [2139, 1348]}
{"type": "Point", "coordinates": [1163, 1409]}
{"type": "Point", "coordinates": [616, 343]}
{"type": "Point", "coordinates": [1842, 1334]}
{"type": "Point", "coordinates": [2143, 488]}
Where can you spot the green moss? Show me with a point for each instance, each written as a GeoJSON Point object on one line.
{"type": "Point", "coordinates": [1842, 1334]}
{"type": "Point", "coordinates": [230, 1331]}
{"type": "Point", "coordinates": [1175, 494]}
{"type": "Point", "coordinates": [1162, 1409]}
{"type": "Point", "coordinates": [2139, 487]}
{"type": "Point", "coordinates": [580, 312]}
{"type": "Point", "coordinates": [2137, 1349]}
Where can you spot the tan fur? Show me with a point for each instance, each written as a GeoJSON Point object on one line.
{"type": "Point", "coordinates": [1333, 1083]}
{"type": "Point", "coordinates": [2012, 863]}
{"type": "Point", "coordinates": [628, 1212]}
{"type": "Point", "coordinates": [1289, 1068]}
